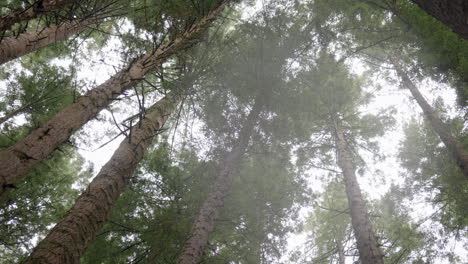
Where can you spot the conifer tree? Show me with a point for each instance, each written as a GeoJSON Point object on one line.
{"type": "Point", "coordinates": [366, 240]}
{"type": "Point", "coordinates": [18, 159]}
{"type": "Point", "coordinates": [454, 146]}
{"type": "Point", "coordinates": [17, 46]}
{"type": "Point", "coordinates": [334, 96]}
{"type": "Point", "coordinates": [38, 8]}
{"type": "Point", "coordinates": [67, 241]}
{"type": "Point", "coordinates": [204, 224]}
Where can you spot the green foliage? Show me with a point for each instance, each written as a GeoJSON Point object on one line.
{"type": "Point", "coordinates": [291, 57]}
{"type": "Point", "coordinates": [432, 170]}
{"type": "Point", "coordinates": [442, 52]}
{"type": "Point", "coordinates": [37, 202]}
{"type": "Point", "coordinates": [329, 229]}
{"type": "Point", "coordinates": [40, 91]}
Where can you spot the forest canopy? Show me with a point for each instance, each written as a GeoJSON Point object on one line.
{"type": "Point", "coordinates": [233, 131]}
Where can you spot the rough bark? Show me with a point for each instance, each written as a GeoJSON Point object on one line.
{"type": "Point", "coordinates": [453, 13]}
{"type": "Point", "coordinates": [67, 241]}
{"type": "Point", "coordinates": [17, 46]}
{"type": "Point", "coordinates": [33, 11]}
{"type": "Point", "coordinates": [367, 245]}
{"type": "Point", "coordinates": [453, 145]}
{"type": "Point", "coordinates": [205, 222]}
{"type": "Point", "coordinates": [20, 158]}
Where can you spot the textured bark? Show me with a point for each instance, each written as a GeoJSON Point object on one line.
{"type": "Point", "coordinates": [453, 13]}
{"type": "Point", "coordinates": [368, 248]}
{"type": "Point", "coordinates": [453, 145]}
{"type": "Point", "coordinates": [204, 224]}
{"type": "Point", "coordinates": [68, 240]}
{"type": "Point", "coordinates": [28, 13]}
{"type": "Point", "coordinates": [20, 158]}
{"type": "Point", "coordinates": [17, 46]}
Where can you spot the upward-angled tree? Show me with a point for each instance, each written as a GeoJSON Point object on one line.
{"type": "Point", "coordinates": [366, 240]}
{"type": "Point", "coordinates": [67, 241]}
{"type": "Point", "coordinates": [50, 188]}
{"type": "Point", "coordinates": [17, 46]}
{"type": "Point", "coordinates": [204, 224]}
{"type": "Point", "coordinates": [29, 12]}
{"type": "Point", "coordinates": [433, 173]}
{"type": "Point", "coordinates": [359, 28]}
{"type": "Point", "coordinates": [17, 160]}
{"type": "Point", "coordinates": [454, 146]}
{"type": "Point", "coordinates": [267, 45]}
{"type": "Point", "coordinates": [336, 96]}
{"type": "Point", "coordinates": [330, 237]}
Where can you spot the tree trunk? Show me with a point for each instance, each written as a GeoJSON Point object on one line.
{"type": "Point", "coordinates": [26, 14]}
{"type": "Point", "coordinates": [20, 158]}
{"type": "Point", "coordinates": [453, 13]}
{"type": "Point", "coordinates": [453, 145]}
{"type": "Point", "coordinates": [17, 46]}
{"type": "Point", "coordinates": [368, 248]}
{"type": "Point", "coordinates": [204, 224]}
{"type": "Point", "coordinates": [341, 255]}
{"type": "Point", "coordinates": [67, 241]}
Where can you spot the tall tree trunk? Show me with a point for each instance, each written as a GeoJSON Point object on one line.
{"type": "Point", "coordinates": [25, 14]}
{"type": "Point", "coordinates": [20, 158]}
{"type": "Point", "coordinates": [453, 13]}
{"type": "Point", "coordinates": [67, 241]}
{"type": "Point", "coordinates": [17, 46]}
{"type": "Point", "coordinates": [453, 145]}
{"type": "Point", "coordinates": [205, 222]}
{"type": "Point", "coordinates": [368, 248]}
{"type": "Point", "coordinates": [341, 255]}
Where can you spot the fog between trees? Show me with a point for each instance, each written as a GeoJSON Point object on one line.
{"type": "Point", "coordinates": [233, 131]}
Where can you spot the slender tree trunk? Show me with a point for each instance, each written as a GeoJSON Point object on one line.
{"type": "Point", "coordinates": [67, 241]}
{"type": "Point", "coordinates": [341, 255]}
{"type": "Point", "coordinates": [20, 158]}
{"type": "Point", "coordinates": [368, 248]}
{"type": "Point", "coordinates": [17, 46]}
{"type": "Point", "coordinates": [25, 14]}
{"type": "Point", "coordinates": [205, 222]}
{"type": "Point", "coordinates": [453, 145]}
{"type": "Point", "coordinates": [453, 13]}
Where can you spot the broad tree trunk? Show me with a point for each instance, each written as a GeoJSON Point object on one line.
{"type": "Point", "coordinates": [368, 248]}
{"type": "Point", "coordinates": [17, 46]}
{"type": "Point", "coordinates": [205, 222]}
{"type": "Point", "coordinates": [453, 13]}
{"type": "Point", "coordinates": [67, 241]}
{"type": "Point", "coordinates": [25, 14]}
{"type": "Point", "coordinates": [20, 158]}
{"type": "Point", "coordinates": [453, 145]}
